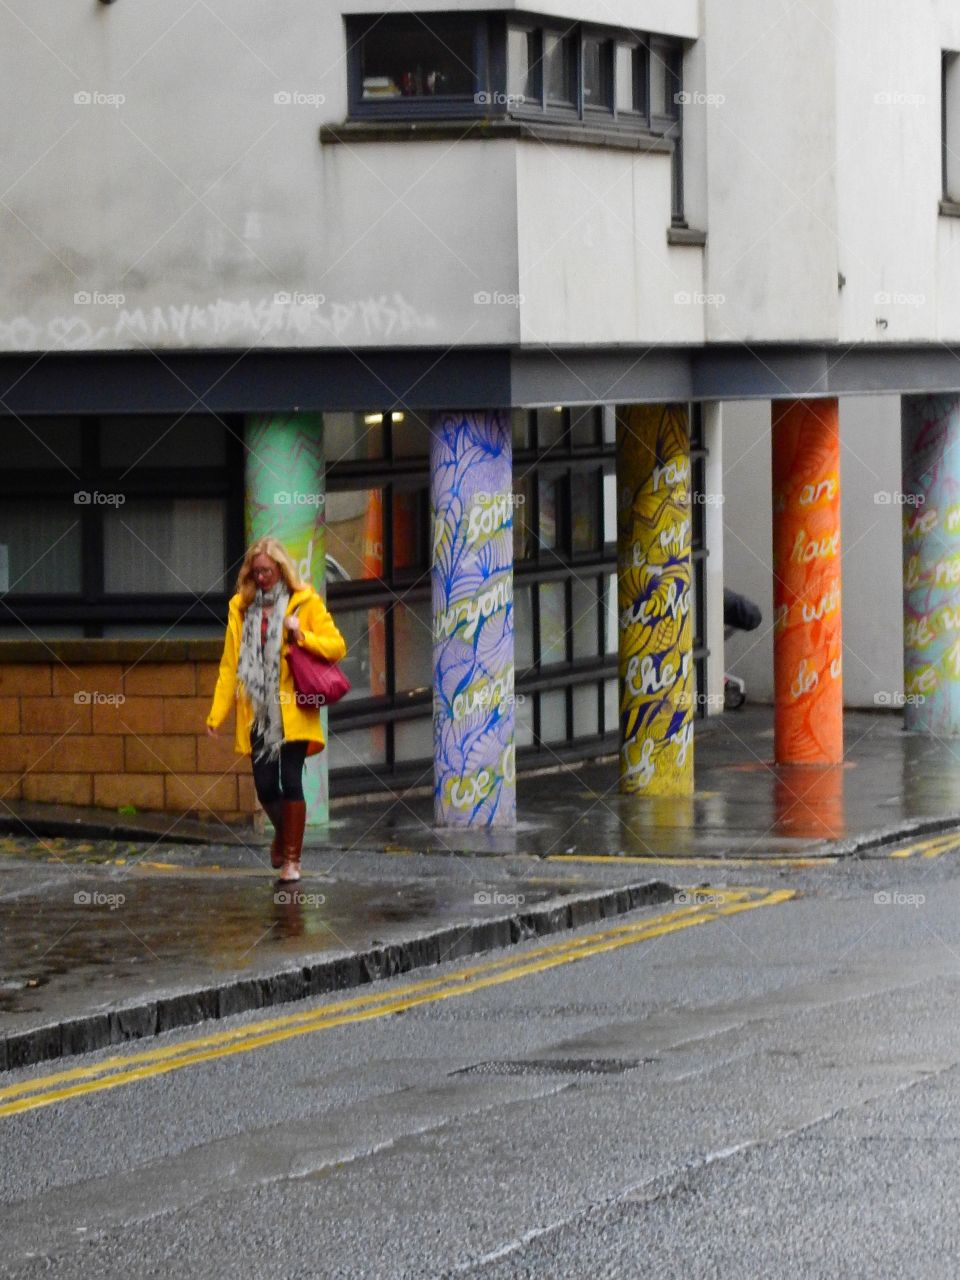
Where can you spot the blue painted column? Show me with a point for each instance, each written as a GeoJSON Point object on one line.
{"type": "Point", "coordinates": [285, 490]}
{"type": "Point", "coordinates": [471, 483]}
{"type": "Point", "coordinates": [930, 503]}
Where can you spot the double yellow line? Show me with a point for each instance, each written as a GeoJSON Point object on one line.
{"type": "Point", "coordinates": [932, 847]}
{"type": "Point", "coordinates": [704, 905]}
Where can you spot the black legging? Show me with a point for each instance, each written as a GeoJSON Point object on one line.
{"type": "Point", "coordinates": [279, 779]}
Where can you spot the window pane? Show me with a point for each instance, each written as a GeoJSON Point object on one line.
{"type": "Point", "coordinates": [524, 534]}
{"type": "Point", "coordinates": [610, 507]}
{"type": "Point", "coordinates": [413, 739]}
{"type": "Point", "coordinates": [352, 437]}
{"type": "Point", "coordinates": [551, 426]}
{"type": "Point", "coordinates": [409, 57]}
{"type": "Point", "coordinates": [586, 711]}
{"type": "Point", "coordinates": [523, 65]}
{"type": "Point", "coordinates": [612, 632]}
{"type": "Point", "coordinates": [520, 420]}
{"type": "Point", "coordinates": [365, 665]}
{"type": "Point", "coordinates": [42, 545]}
{"type": "Point", "coordinates": [611, 705]}
{"type": "Point", "coordinates": [196, 441]}
{"type": "Point", "coordinates": [625, 65]}
{"type": "Point", "coordinates": [553, 623]}
{"type": "Point", "coordinates": [549, 498]}
{"type": "Point", "coordinates": [584, 496]}
{"type": "Point", "coordinates": [40, 442]}
{"type": "Point", "coordinates": [585, 426]}
{"type": "Point", "coordinates": [553, 716]}
{"type": "Point", "coordinates": [410, 434]}
{"type": "Point", "coordinates": [411, 519]}
{"type": "Point", "coordinates": [354, 534]}
{"type": "Point", "coordinates": [523, 724]}
{"type": "Point", "coordinates": [358, 747]}
{"type": "Point", "coordinates": [522, 628]}
{"type": "Point", "coordinates": [413, 646]}
{"type": "Point", "coordinates": [596, 73]}
{"type": "Point", "coordinates": [558, 67]}
{"type": "Point", "coordinates": [164, 545]}
{"type": "Point", "coordinates": [587, 605]}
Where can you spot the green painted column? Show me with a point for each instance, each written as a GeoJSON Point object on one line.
{"type": "Point", "coordinates": [285, 491]}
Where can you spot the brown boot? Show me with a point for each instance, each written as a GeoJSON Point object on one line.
{"type": "Point", "coordinates": [294, 821]}
{"type": "Point", "coordinates": [274, 811]}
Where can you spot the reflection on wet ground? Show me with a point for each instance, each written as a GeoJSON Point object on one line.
{"type": "Point", "coordinates": [88, 924]}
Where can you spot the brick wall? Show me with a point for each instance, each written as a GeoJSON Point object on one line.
{"type": "Point", "coordinates": [110, 724]}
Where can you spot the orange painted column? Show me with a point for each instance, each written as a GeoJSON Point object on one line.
{"type": "Point", "coordinates": [807, 639]}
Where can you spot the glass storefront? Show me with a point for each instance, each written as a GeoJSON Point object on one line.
{"type": "Point", "coordinates": [163, 562]}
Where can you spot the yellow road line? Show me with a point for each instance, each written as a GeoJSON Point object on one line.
{"type": "Point", "coordinates": [714, 863]}
{"type": "Point", "coordinates": [124, 1069]}
{"type": "Point", "coordinates": [932, 847]}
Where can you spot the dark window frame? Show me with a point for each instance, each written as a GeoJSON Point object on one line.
{"type": "Point", "coordinates": [93, 607]}
{"type": "Point", "coordinates": [493, 94]}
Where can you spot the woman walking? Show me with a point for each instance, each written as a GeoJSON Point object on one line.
{"type": "Point", "coordinates": [271, 610]}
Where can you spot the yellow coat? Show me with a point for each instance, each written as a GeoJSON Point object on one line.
{"type": "Point", "coordinates": [318, 634]}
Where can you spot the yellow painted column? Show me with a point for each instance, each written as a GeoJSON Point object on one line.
{"type": "Point", "coordinates": [654, 595]}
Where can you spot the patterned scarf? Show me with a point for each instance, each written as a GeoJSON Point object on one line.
{"type": "Point", "coordinates": [258, 667]}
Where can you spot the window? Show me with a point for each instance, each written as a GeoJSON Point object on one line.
{"type": "Point", "coordinates": [418, 63]}
{"type": "Point", "coordinates": [483, 65]}
{"type": "Point", "coordinates": [120, 525]}
{"type": "Point", "coordinates": [666, 112]}
{"type": "Point", "coordinates": [950, 126]}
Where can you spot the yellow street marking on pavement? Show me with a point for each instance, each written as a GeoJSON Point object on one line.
{"type": "Point", "coordinates": [653, 859]}
{"type": "Point", "coordinates": [932, 847]}
{"type": "Point", "coordinates": [127, 1068]}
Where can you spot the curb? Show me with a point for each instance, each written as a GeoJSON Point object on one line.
{"type": "Point", "coordinates": [888, 835]}
{"type": "Point", "coordinates": [312, 978]}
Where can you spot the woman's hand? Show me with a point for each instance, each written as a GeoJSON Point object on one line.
{"type": "Point", "coordinates": [292, 623]}
{"type": "Point", "coordinates": [211, 731]}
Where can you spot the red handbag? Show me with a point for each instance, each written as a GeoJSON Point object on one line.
{"type": "Point", "coordinates": [317, 681]}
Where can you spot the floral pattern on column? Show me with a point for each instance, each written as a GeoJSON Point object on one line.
{"type": "Point", "coordinates": [473, 703]}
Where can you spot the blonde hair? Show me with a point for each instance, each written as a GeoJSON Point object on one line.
{"type": "Point", "coordinates": [272, 547]}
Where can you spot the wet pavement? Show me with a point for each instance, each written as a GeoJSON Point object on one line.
{"type": "Point", "coordinates": [103, 940]}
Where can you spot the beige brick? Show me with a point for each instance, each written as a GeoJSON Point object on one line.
{"type": "Point", "coordinates": [11, 786]}
{"type": "Point", "coordinates": [185, 715]}
{"type": "Point", "coordinates": [142, 790]}
{"type": "Point", "coordinates": [133, 715]}
{"type": "Point", "coordinates": [25, 677]}
{"type": "Point", "coordinates": [9, 715]}
{"type": "Point", "coordinates": [206, 677]}
{"type": "Point", "coordinates": [54, 715]}
{"type": "Point", "coordinates": [75, 753]}
{"type": "Point", "coordinates": [16, 751]}
{"type": "Point", "coordinates": [88, 677]}
{"type": "Point", "coordinates": [161, 753]}
{"type": "Point", "coordinates": [58, 788]}
{"type": "Point", "coordinates": [200, 793]}
{"type": "Point", "coordinates": [218, 755]}
{"type": "Point", "coordinates": [163, 678]}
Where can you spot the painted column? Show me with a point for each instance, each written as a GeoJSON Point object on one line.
{"type": "Point", "coordinates": [654, 580]}
{"type": "Point", "coordinates": [285, 490]}
{"type": "Point", "coordinates": [931, 563]}
{"type": "Point", "coordinates": [473, 707]}
{"type": "Point", "coordinates": [807, 638]}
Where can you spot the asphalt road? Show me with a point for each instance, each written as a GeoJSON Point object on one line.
{"type": "Point", "coordinates": [730, 1086]}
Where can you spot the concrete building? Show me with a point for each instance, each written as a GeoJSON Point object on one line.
{"type": "Point", "coordinates": [526, 329]}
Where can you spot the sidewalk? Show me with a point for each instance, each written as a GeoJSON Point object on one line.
{"type": "Point", "coordinates": [109, 939]}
